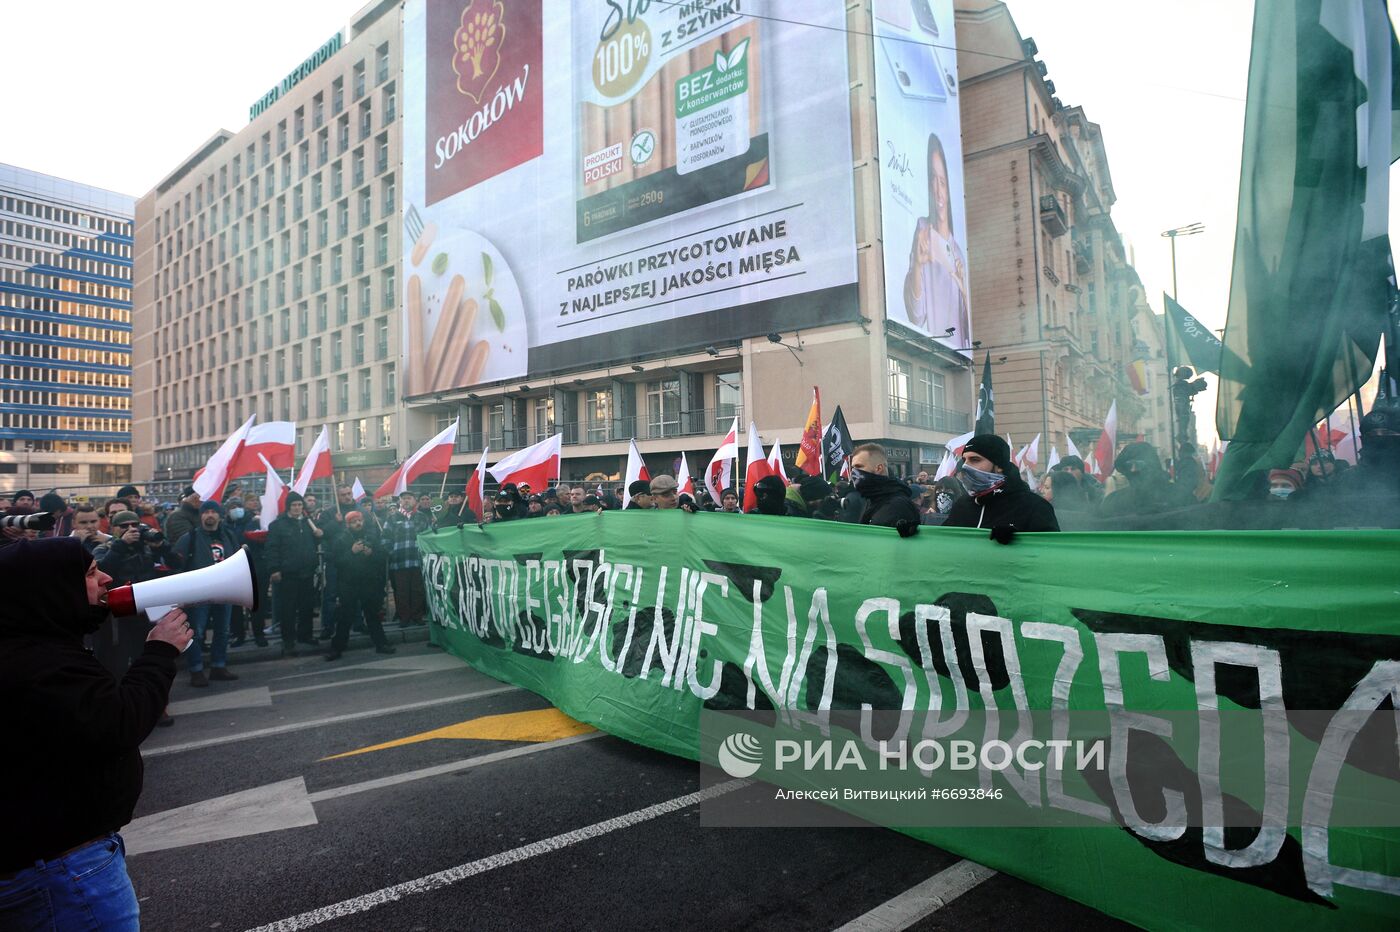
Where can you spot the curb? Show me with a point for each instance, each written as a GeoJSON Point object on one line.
{"type": "Point", "coordinates": [251, 653]}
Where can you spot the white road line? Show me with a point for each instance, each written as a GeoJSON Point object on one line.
{"type": "Point", "coordinates": [425, 663]}
{"type": "Point", "coordinates": [462, 872]}
{"type": "Point", "coordinates": [320, 722]}
{"type": "Point", "coordinates": [362, 679]}
{"type": "Point", "coordinates": [257, 697]}
{"type": "Point", "coordinates": [437, 770]}
{"type": "Point", "coordinates": [922, 900]}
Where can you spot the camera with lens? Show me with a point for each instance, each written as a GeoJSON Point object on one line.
{"type": "Point", "coordinates": [36, 521]}
{"type": "Point", "coordinates": [150, 535]}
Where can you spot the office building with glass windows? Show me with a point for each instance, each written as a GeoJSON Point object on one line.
{"type": "Point", "coordinates": [65, 335]}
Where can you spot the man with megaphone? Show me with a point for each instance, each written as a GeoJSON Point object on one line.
{"type": "Point", "coordinates": [72, 731]}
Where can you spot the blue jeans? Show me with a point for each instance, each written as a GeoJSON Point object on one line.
{"type": "Point", "coordinates": [87, 889]}
{"type": "Point", "coordinates": [201, 616]}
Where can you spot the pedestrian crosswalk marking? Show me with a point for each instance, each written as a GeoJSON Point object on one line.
{"type": "Point", "coordinates": [535, 726]}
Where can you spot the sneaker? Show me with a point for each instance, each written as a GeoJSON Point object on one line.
{"type": "Point", "coordinates": [386, 649]}
{"type": "Point", "coordinates": [222, 673]}
{"type": "Point", "coordinates": [198, 678]}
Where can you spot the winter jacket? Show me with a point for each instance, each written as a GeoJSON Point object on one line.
{"type": "Point", "coordinates": [129, 563]}
{"type": "Point", "coordinates": [181, 521]}
{"type": "Point", "coordinates": [195, 550]}
{"type": "Point", "coordinates": [71, 729]}
{"type": "Point", "coordinates": [1011, 503]}
{"type": "Point", "coordinates": [291, 547]}
{"type": "Point", "coordinates": [360, 575]}
{"type": "Point", "coordinates": [888, 502]}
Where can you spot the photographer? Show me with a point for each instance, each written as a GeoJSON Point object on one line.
{"type": "Point", "coordinates": [135, 553]}
{"type": "Point", "coordinates": [72, 735]}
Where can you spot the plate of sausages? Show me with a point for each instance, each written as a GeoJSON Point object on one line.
{"type": "Point", "coordinates": [465, 316]}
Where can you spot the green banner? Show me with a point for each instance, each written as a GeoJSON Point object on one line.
{"type": "Point", "coordinates": [636, 622]}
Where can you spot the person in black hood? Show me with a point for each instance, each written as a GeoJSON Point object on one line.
{"type": "Point", "coordinates": [998, 498]}
{"type": "Point", "coordinates": [1149, 490]}
{"type": "Point", "coordinates": [888, 502]}
{"type": "Point", "coordinates": [769, 494]}
{"type": "Point", "coordinates": [72, 733]}
{"type": "Point", "coordinates": [1377, 476]}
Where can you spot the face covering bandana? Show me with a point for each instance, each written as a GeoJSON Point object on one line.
{"type": "Point", "coordinates": [943, 502]}
{"type": "Point", "coordinates": [978, 482]}
{"type": "Point", "coordinates": [1281, 491]}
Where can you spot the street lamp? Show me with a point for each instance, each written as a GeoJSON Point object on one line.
{"type": "Point", "coordinates": [1191, 229]}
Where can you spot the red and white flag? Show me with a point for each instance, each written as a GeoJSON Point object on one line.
{"type": "Point", "coordinates": [317, 464]}
{"type": "Point", "coordinates": [775, 462]}
{"type": "Point", "coordinates": [538, 465]}
{"type": "Point", "coordinates": [1073, 450]}
{"type": "Point", "coordinates": [357, 490]}
{"type": "Point", "coordinates": [209, 482]}
{"type": "Point", "coordinates": [685, 483]}
{"type": "Point", "coordinates": [719, 475]}
{"type": "Point", "coordinates": [274, 441]}
{"type": "Point", "coordinates": [476, 487]}
{"type": "Point", "coordinates": [274, 497]}
{"type": "Point", "coordinates": [955, 446]}
{"type": "Point", "coordinates": [1054, 459]}
{"type": "Point", "coordinates": [755, 469]}
{"type": "Point", "coordinates": [636, 471]}
{"type": "Point", "coordinates": [433, 456]}
{"type": "Point", "coordinates": [1028, 457]}
{"type": "Point", "coordinates": [1108, 442]}
{"type": "Point", "coordinates": [947, 466]}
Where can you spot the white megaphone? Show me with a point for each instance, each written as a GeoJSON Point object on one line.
{"type": "Point", "coordinates": [231, 582]}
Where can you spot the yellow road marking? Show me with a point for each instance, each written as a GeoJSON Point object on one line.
{"type": "Point", "coordinates": [536, 726]}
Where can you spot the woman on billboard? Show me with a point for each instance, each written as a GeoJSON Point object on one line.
{"type": "Point", "coordinates": [935, 287]}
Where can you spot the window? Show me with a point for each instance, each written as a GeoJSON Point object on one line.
{"type": "Point", "coordinates": [322, 406]}
{"type": "Point", "coordinates": [316, 356]}
{"type": "Point", "coordinates": [357, 350]}
{"type": "Point", "coordinates": [336, 354]}
{"type": "Point", "coordinates": [663, 408]}
{"type": "Point", "coordinates": [390, 391]}
{"type": "Point", "coordinates": [598, 411]}
{"type": "Point", "coordinates": [729, 399]}
{"type": "Point", "coordinates": [931, 389]}
{"type": "Point", "coordinates": [342, 394]}
{"type": "Point", "coordinates": [900, 376]}
{"type": "Point", "coordinates": [386, 431]}
{"type": "Point", "coordinates": [544, 418]}
{"type": "Point", "coordinates": [498, 426]}
{"type": "Point", "coordinates": [366, 390]}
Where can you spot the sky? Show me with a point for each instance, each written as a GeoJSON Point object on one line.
{"type": "Point", "coordinates": [1165, 81]}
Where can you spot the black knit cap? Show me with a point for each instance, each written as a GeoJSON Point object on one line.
{"type": "Point", "coordinates": [994, 449]}
{"type": "Point", "coordinates": [813, 487]}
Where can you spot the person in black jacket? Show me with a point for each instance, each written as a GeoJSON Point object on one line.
{"type": "Point", "coordinates": [769, 496]}
{"type": "Point", "coordinates": [887, 501]}
{"type": "Point", "coordinates": [72, 731]}
{"type": "Point", "coordinates": [291, 556]}
{"type": "Point", "coordinates": [204, 545]}
{"type": "Point", "coordinates": [360, 558]}
{"type": "Point", "coordinates": [998, 498]}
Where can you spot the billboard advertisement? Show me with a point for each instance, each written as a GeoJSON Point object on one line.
{"type": "Point", "coordinates": [618, 179]}
{"type": "Point", "coordinates": [921, 169]}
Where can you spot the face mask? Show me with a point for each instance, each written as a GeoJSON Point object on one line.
{"type": "Point", "coordinates": [943, 502]}
{"type": "Point", "coordinates": [236, 514]}
{"type": "Point", "coordinates": [977, 481]}
{"type": "Point", "coordinates": [1281, 492]}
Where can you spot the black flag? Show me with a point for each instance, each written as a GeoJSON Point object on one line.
{"type": "Point", "coordinates": [986, 407]}
{"type": "Point", "coordinates": [836, 446]}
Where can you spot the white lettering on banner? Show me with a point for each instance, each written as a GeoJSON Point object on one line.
{"type": "Point", "coordinates": [564, 608]}
{"type": "Point", "coordinates": [502, 102]}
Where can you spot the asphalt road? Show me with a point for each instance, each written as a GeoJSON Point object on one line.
{"type": "Point", "coordinates": [506, 816]}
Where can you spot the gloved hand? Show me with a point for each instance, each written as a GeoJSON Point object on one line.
{"type": "Point", "coordinates": [1003, 533]}
{"type": "Point", "coordinates": [906, 528]}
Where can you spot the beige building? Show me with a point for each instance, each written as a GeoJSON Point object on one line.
{"type": "Point", "coordinates": [1053, 289]}
{"type": "Point", "coordinates": [266, 266]}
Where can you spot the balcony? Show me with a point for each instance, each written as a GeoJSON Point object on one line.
{"type": "Point", "coordinates": [919, 414]}
{"type": "Point", "coordinates": [1052, 215]}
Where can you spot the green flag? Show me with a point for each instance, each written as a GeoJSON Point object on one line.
{"type": "Point", "coordinates": [1310, 285]}
{"type": "Point", "coordinates": [1190, 341]}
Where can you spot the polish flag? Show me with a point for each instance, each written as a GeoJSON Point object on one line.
{"type": "Point", "coordinates": [317, 464]}
{"type": "Point", "coordinates": [809, 451]}
{"type": "Point", "coordinates": [636, 471]}
{"type": "Point", "coordinates": [209, 482]}
{"type": "Point", "coordinates": [756, 469]}
{"type": "Point", "coordinates": [719, 475]}
{"type": "Point", "coordinates": [1028, 457]}
{"type": "Point", "coordinates": [274, 497]}
{"type": "Point", "coordinates": [947, 466]}
{"type": "Point", "coordinates": [433, 456]}
{"type": "Point", "coordinates": [1108, 442]}
{"type": "Point", "coordinates": [775, 462]}
{"type": "Point", "coordinates": [685, 483]}
{"type": "Point", "coordinates": [274, 441]}
{"type": "Point", "coordinates": [538, 465]}
{"type": "Point", "coordinates": [476, 486]}
{"type": "Point", "coordinates": [955, 446]}
{"type": "Point", "coordinates": [1054, 459]}
{"type": "Point", "coordinates": [1073, 450]}
{"type": "Point", "coordinates": [357, 490]}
